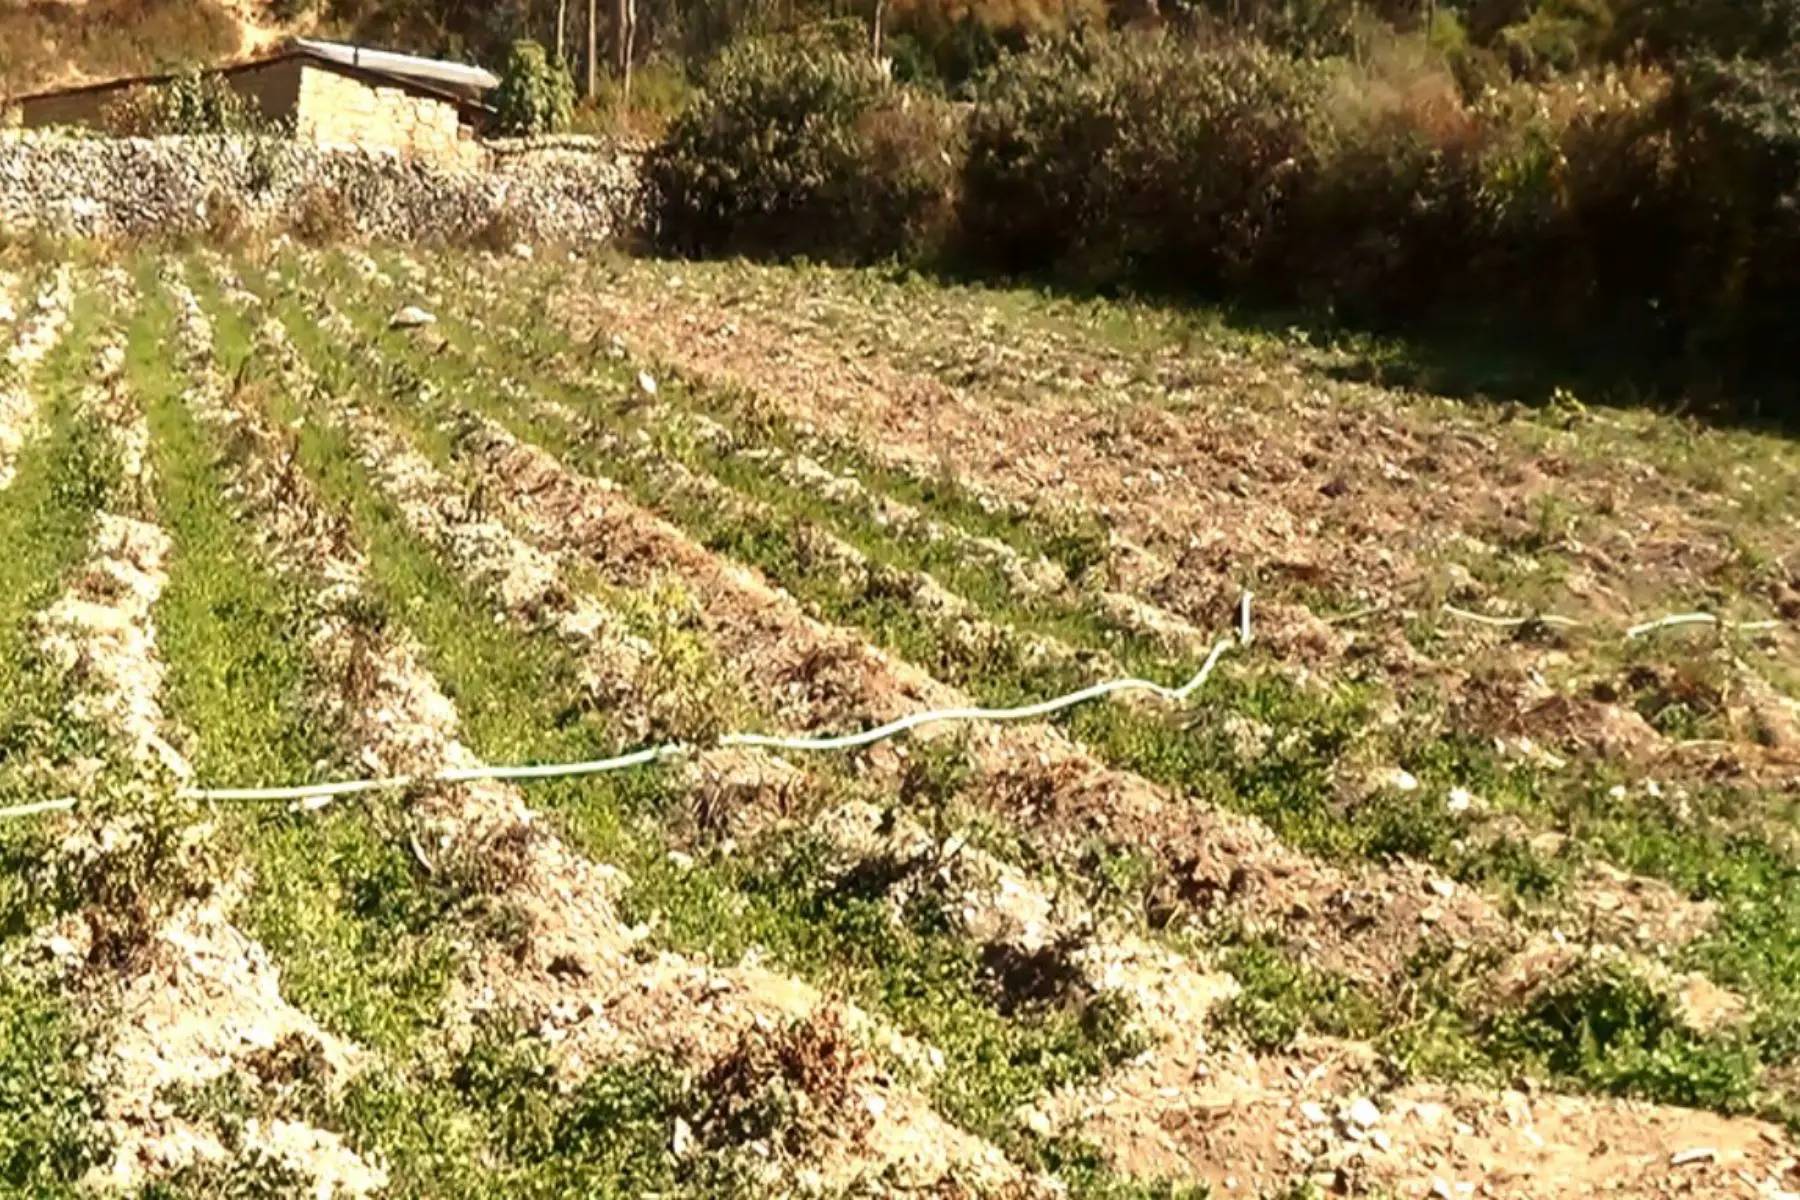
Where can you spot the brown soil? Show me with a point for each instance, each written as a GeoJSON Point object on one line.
{"type": "Point", "coordinates": [1326, 495]}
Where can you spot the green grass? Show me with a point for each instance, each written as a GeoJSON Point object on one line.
{"type": "Point", "coordinates": [338, 900]}
{"type": "Point", "coordinates": [48, 1136]}
{"type": "Point", "coordinates": [64, 476]}
{"type": "Point", "coordinates": [47, 1106]}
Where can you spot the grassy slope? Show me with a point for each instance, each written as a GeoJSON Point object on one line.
{"type": "Point", "coordinates": [50, 43]}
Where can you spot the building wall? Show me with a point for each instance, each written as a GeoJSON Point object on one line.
{"type": "Point", "coordinates": [317, 103]}
{"type": "Point", "coordinates": [78, 108]}
{"type": "Point", "coordinates": [336, 110]}
{"type": "Point", "coordinates": [273, 87]}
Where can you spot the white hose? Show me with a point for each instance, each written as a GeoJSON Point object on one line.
{"type": "Point", "coordinates": [42, 806]}
{"type": "Point", "coordinates": [1696, 618]}
{"type": "Point", "coordinates": [1512, 622]}
{"type": "Point", "coordinates": [1631, 634]}
{"type": "Point", "coordinates": [317, 794]}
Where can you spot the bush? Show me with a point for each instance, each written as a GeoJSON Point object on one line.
{"type": "Point", "coordinates": [1138, 159]}
{"type": "Point", "coordinates": [191, 104]}
{"type": "Point", "coordinates": [802, 150]}
{"type": "Point", "coordinates": [535, 95]}
{"type": "Point", "coordinates": [323, 216]}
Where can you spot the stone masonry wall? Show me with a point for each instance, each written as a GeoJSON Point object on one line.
{"type": "Point", "coordinates": [93, 186]}
{"type": "Point", "coordinates": [336, 110]}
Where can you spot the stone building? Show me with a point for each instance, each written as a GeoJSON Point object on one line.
{"type": "Point", "coordinates": [326, 93]}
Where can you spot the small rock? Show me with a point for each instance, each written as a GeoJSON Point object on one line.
{"type": "Point", "coordinates": [681, 1144]}
{"type": "Point", "coordinates": [1362, 1113]}
{"type": "Point", "coordinates": [1698, 1154]}
{"type": "Point", "coordinates": [1442, 1190]}
{"type": "Point", "coordinates": [646, 383]}
{"type": "Point", "coordinates": [680, 861]}
{"type": "Point", "coordinates": [1461, 800]}
{"type": "Point", "coordinates": [1441, 887]}
{"type": "Point", "coordinates": [1381, 1141]}
{"type": "Point", "coordinates": [521, 250]}
{"type": "Point", "coordinates": [1313, 1113]}
{"type": "Point", "coordinates": [411, 317]}
{"type": "Point", "coordinates": [1402, 781]}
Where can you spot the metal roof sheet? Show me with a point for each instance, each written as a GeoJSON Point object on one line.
{"type": "Point", "coordinates": [461, 78]}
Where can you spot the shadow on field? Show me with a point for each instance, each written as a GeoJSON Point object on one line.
{"type": "Point", "coordinates": [1495, 360]}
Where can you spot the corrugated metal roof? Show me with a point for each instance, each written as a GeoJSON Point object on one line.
{"type": "Point", "coordinates": [461, 78]}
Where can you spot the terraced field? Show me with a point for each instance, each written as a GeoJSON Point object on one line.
{"type": "Point", "coordinates": [1469, 868]}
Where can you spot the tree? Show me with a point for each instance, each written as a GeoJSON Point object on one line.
{"type": "Point", "coordinates": [535, 95]}
{"type": "Point", "coordinates": [624, 35]}
{"type": "Point", "coordinates": [593, 57]}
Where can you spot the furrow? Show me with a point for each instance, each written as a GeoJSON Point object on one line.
{"type": "Point", "coordinates": [37, 334]}
{"type": "Point", "coordinates": [583, 979]}
{"type": "Point", "coordinates": [825, 678]}
{"type": "Point", "coordinates": [1001, 907]}
{"type": "Point", "coordinates": [1145, 584]}
{"type": "Point", "coordinates": [186, 997]}
{"type": "Point", "coordinates": [1034, 577]}
{"type": "Point", "coordinates": [1313, 496]}
{"type": "Point", "coordinates": [1652, 916]}
{"type": "Point", "coordinates": [1255, 1100]}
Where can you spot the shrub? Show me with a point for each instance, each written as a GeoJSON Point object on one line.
{"type": "Point", "coordinates": [1138, 158]}
{"type": "Point", "coordinates": [802, 150]}
{"type": "Point", "coordinates": [197, 103]}
{"type": "Point", "coordinates": [535, 95]}
{"type": "Point", "coordinates": [323, 216]}
{"type": "Point", "coordinates": [192, 103]}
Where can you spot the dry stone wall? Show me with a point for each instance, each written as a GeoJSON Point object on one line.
{"type": "Point", "coordinates": [104, 187]}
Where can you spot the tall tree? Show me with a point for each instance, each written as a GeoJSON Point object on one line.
{"type": "Point", "coordinates": [624, 34]}
{"type": "Point", "coordinates": [593, 59]}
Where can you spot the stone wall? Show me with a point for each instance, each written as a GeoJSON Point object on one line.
{"type": "Point", "coordinates": [337, 110]}
{"type": "Point", "coordinates": [94, 186]}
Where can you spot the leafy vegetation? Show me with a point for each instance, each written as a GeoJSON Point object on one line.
{"type": "Point", "coordinates": [535, 96]}
{"type": "Point", "coordinates": [801, 150]}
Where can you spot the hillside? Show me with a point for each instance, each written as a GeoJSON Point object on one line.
{"type": "Point", "coordinates": [52, 43]}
